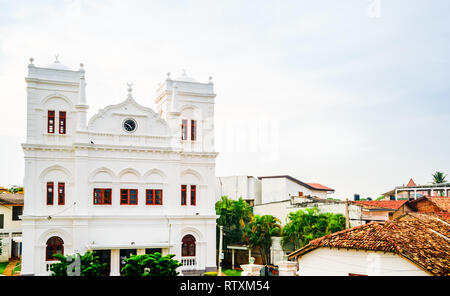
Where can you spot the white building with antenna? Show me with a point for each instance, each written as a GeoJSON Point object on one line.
{"type": "Point", "coordinates": [128, 181]}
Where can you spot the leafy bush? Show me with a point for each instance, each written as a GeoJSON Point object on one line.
{"type": "Point", "coordinates": [306, 225]}
{"type": "Point", "coordinates": [77, 265]}
{"type": "Point", "coordinates": [151, 265]}
{"type": "Point", "coordinates": [211, 273]}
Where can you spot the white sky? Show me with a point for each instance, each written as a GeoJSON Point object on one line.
{"type": "Point", "coordinates": [346, 94]}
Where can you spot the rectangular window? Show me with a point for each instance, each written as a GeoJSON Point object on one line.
{"type": "Point", "coordinates": [183, 195]}
{"type": "Point", "coordinates": [193, 195]}
{"type": "Point", "coordinates": [16, 212]}
{"type": "Point", "coordinates": [184, 127]}
{"type": "Point", "coordinates": [51, 122]}
{"type": "Point", "coordinates": [154, 196]}
{"type": "Point", "coordinates": [62, 122]}
{"type": "Point", "coordinates": [128, 196]}
{"type": "Point", "coordinates": [61, 193]}
{"type": "Point", "coordinates": [193, 130]}
{"type": "Point", "coordinates": [49, 193]}
{"type": "Point", "coordinates": [102, 196]}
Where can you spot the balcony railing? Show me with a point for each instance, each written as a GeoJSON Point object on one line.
{"type": "Point", "coordinates": [189, 263]}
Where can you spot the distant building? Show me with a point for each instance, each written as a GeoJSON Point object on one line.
{"type": "Point", "coordinates": [414, 191]}
{"type": "Point", "coordinates": [427, 204]}
{"type": "Point", "coordinates": [378, 210]}
{"type": "Point", "coordinates": [281, 209]}
{"type": "Point", "coordinates": [247, 187]}
{"type": "Point", "coordinates": [413, 245]}
{"type": "Point", "coordinates": [11, 208]}
{"type": "Point", "coordinates": [268, 189]}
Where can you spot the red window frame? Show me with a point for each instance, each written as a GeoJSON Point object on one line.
{"type": "Point", "coordinates": [184, 127]}
{"type": "Point", "coordinates": [183, 195]}
{"type": "Point", "coordinates": [193, 195]}
{"type": "Point", "coordinates": [50, 193]}
{"type": "Point", "coordinates": [61, 193]}
{"type": "Point", "coordinates": [101, 197]}
{"type": "Point", "coordinates": [193, 130]}
{"type": "Point", "coordinates": [54, 245]}
{"type": "Point", "coordinates": [188, 246]}
{"type": "Point", "coordinates": [151, 197]}
{"type": "Point", "coordinates": [125, 196]}
{"type": "Point", "coordinates": [51, 122]}
{"type": "Point", "coordinates": [62, 122]}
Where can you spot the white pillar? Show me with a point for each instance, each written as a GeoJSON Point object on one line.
{"type": "Point", "coordinates": [232, 258]}
{"type": "Point", "coordinates": [115, 263]}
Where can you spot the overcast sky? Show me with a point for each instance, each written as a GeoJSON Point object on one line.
{"type": "Point", "coordinates": [352, 94]}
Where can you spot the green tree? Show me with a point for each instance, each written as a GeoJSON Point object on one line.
{"type": "Point", "coordinates": [233, 216]}
{"type": "Point", "coordinates": [151, 265]}
{"type": "Point", "coordinates": [306, 225]}
{"type": "Point", "coordinates": [77, 264]}
{"type": "Point", "coordinates": [258, 234]}
{"type": "Point", "coordinates": [439, 177]}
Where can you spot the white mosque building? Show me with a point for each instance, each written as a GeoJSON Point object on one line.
{"type": "Point", "coordinates": [128, 181]}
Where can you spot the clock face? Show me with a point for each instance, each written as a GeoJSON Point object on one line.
{"type": "Point", "coordinates": [129, 125]}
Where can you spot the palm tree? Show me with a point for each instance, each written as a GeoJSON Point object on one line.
{"type": "Point", "coordinates": [259, 232]}
{"type": "Point", "coordinates": [439, 177]}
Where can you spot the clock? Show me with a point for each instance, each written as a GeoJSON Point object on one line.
{"type": "Point", "coordinates": [129, 125]}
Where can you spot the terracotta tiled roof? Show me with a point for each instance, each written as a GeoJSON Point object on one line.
{"type": "Point", "coordinates": [428, 247]}
{"type": "Point", "coordinates": [11, 199]}
{"type": "Point", "coordinates": [442, 203]}
{"type": "Point", "coordinates": [385, 204]}
{"type": "Point", "coordinates": [411, 183]}
{"type": "Point", "coordinates": [320, 186]}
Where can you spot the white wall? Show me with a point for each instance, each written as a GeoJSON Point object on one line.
{"type": "Point", "coordinates": [341, 262]}
{"type": "Point", "coordinates": [235, 187]}
{"type": "Point", "coordinates": [282, 209]}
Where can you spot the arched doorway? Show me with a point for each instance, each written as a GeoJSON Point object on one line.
{"type": "Point", "coordinates": [55, 245]}
{"type": "Point", "coordinates": [188, 246]}
{"type": "Point", "coordinates": [188, 258]}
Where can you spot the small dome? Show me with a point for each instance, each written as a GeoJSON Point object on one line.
{"type": "Point", "coordinates": [185, 78]}
{"type": "Point", "coordinates": [57, 65]}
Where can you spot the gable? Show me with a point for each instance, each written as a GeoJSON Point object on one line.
{"type": "Point", "coordinates": [111, 120]}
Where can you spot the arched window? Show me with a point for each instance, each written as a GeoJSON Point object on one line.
{"type": "Point", "coordinates": [55, 245]}
{"type": "Point", "coordinates": [188, 246]}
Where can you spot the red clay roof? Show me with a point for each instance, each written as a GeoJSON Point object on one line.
{"type": "Point", "coordinates": [411, 183]}
{"type": "Point", "coordinates": [320, 186]}
{"type": "Point", "coordinates": [442, 203]}
{"type": "Point", "coordinates": [428, 248]}
{"type": "Point", "coordinates": [385, 204]}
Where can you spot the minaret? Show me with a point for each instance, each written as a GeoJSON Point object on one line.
{"type": "Point", "coordinates": [82, 106]}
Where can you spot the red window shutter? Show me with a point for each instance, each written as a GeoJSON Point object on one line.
{"type": "Point", "coordinates": [149, 196]}
{"type": "Point", "coordinates": [184, 127]}
{"type": "Point", "coordinates": [51, 122]}
{"type": "Point", "coordinates": [158, 197]}
{"type": "Point", "coordinates": [62, 122]}
{"type": "Point", "coordinates": [49, 193]}
{"type": "Point", "coordinates": [102, 196]}
{"type": "Point", "coordinates": [61, 193]}
{"type": "Point", "coordinates": [128, 196]}
{"type": "Point", "coordinates": [183, 195]}
{"type": "Point", "coordinates": [193, 130]}
{"type": "Point", "coordinates": [193, 195]}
